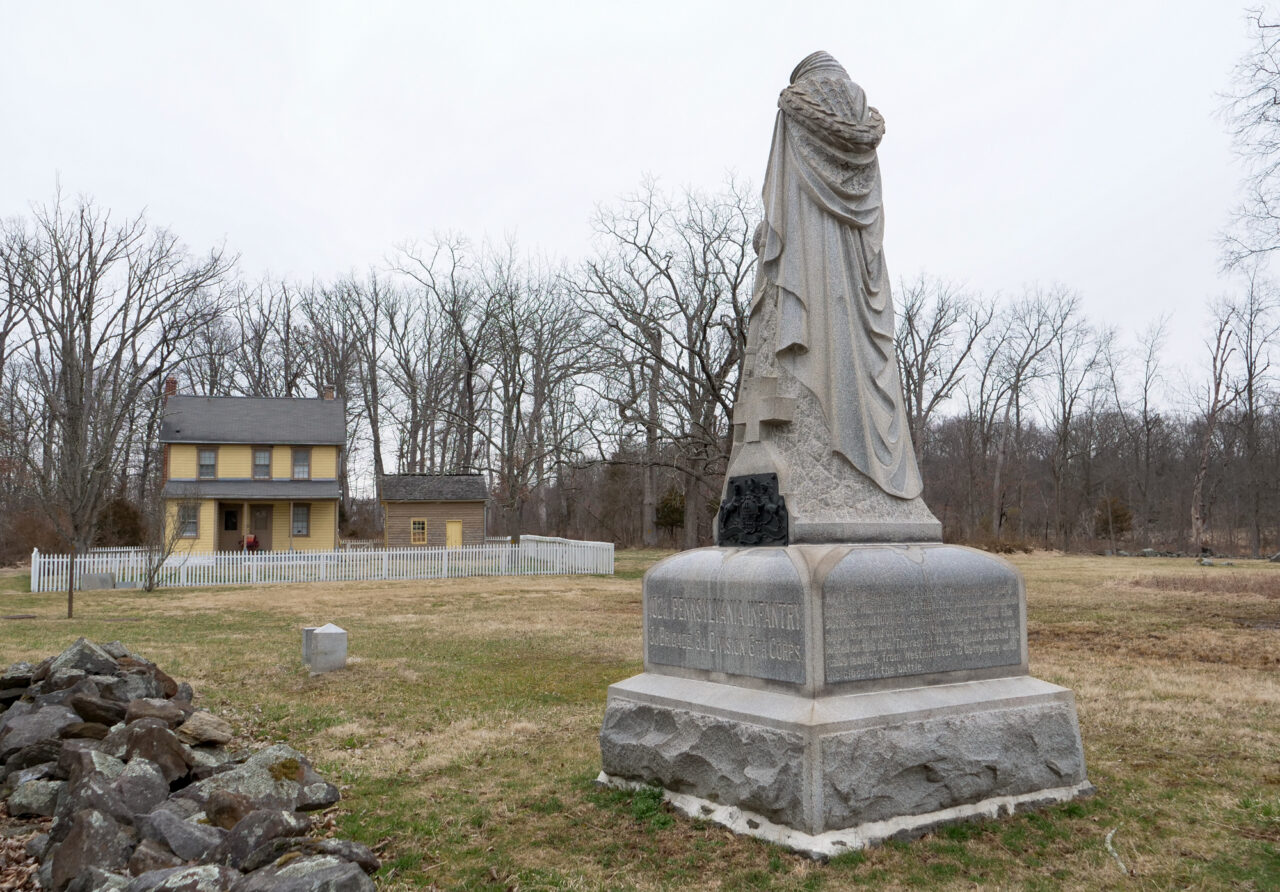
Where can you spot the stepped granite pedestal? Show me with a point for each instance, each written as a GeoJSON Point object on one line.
{"type": "Point", "coordinates": [827, 697]}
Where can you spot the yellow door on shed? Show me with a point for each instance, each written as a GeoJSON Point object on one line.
{"type": "Point", "coordinates": [453, 534]}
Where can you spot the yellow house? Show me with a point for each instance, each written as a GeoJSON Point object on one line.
{"type": "Point", "coordinates": [250, 473]}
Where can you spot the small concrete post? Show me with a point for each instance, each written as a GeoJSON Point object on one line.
{"type": "Point", "coordinates": [325, 648]}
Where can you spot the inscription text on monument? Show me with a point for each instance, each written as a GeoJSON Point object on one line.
{"type": "Point", "coordinates": [910, 624]}
{"type": "Point", "coordinates": [736, 633]}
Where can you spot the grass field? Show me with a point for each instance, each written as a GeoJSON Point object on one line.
{"type": "Point", "coordinates": [464, 731]}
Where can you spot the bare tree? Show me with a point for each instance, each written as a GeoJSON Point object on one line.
{"type": "Point", "coordinates": [541, 347]}
{"type": "Point", "coordinates": [1252, 113]}
{"type": "Point", "coordinates": [372, 304]}
{"type": "Point", "coordinates": [984, 392]}
{"type": "Point", "coordinates": [1253, 330]}
{"type": "Point", "coordinates": [207, 364]}
{"type": "Point", "coordinates": [1030, 328]}
{"type": "Point", "coordinates": [1138, 417]}
{"type": "Point", "coordinates": [938, 328]}
{"type": "Point", "coordinates": [333, 360]}
{"type": "Point", "coordinates": [445, 272]}
{"type": "Point", "coordinates": [630, 375]}
{"type": "Point", "coordinates": [420, 368]}
{"type": "Point", "coordinates": [1074, 360]}
{"type": "Point", "coordinates": [269, 354]}
{"type": "Point", "coordinates": [672, 288]}
{"type": "Point", "coordinates": [105, 303]}
{"type": "Point", "coordinates": [13, 274]}
{"type": "Point", "coordinates": [1216, 397]}
{"type": "Point", "coordinates": [163, 533]}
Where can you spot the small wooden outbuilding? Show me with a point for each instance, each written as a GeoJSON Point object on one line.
{"type": "Point", "coordinates": [433, 510]}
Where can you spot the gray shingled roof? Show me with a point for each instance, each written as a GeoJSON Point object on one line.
{"type": "Point", "coordinates": [281, 490]}
{"type": "Point", "coordinates": [434, 488]}
{"type": "Point", "coordinates": [242, 419]}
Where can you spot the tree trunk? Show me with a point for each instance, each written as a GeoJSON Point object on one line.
{"type": "Point", "coordinates": [71, 582]}
{"type": "Point", "coordinates": [649, 523]}
{"type": "Point", "coordinates": [693, 503]}
{"type": "Point", "coordinates": [1198, 514]}
{"type": "Point", "coordinates": [996, 478]}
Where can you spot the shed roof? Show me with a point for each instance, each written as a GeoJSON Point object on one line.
{"type": "Point", "coordinates": [434, 488]}
{"type": "Point", "coordinates": [243, 419]}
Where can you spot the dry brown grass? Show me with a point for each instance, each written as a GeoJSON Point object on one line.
{"type": "Point", "coordinates": [1242, 583]}
{"type": "Point", "coordinates": [464, 730]}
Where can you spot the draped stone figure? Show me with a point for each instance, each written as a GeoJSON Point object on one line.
{"type": "Point", "coordinates": [820, 400]}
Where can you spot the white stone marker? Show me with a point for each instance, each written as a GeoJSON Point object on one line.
{"type": "Point", "coordinates": [324, 649]}
{"type": "Point", "coordinates": [96, 582]}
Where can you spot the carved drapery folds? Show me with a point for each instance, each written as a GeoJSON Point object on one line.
{"type": "Point", "coordinates": [822, 261]}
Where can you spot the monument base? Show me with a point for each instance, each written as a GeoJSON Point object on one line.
{"type": "Point", "coordinates": [830, 774]}
{"type": "Point", "coordinates": [838, 842]}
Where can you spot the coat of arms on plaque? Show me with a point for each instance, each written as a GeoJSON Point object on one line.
{"type": "Point", "coordinates": [753, 512]}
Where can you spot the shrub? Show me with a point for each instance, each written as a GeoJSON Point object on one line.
{"type": "Point", "coordinates": [121, 524]}
{"type": "Point", "coordinates": [1113, 519]}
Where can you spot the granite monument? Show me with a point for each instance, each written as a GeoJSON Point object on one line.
{"type": "Point", "coordinates": [831, 674]}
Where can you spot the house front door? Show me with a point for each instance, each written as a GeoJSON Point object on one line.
{"type": "Point", "coordinates": [453, 534]}
{"type": "Point", "coordinates": [260, 517]}
{"type": "Point", "coordinates": [229, 523]}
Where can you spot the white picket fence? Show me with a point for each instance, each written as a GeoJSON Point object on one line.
{"type": "Point", "coordinates": [359, 544]}
{"type": "Point", "coordinates": [535, 555]}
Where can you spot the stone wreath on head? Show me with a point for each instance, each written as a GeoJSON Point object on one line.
{"type": "Point", "coordinates": [825, 101]}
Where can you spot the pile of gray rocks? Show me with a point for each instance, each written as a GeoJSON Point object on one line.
{"type": "Point", "coordinates": [145, 793]}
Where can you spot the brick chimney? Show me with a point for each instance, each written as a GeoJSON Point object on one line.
{"type": "Point", "coordinates": [170, 387]}
{"type": "Point", "coordinates": [327, 393]}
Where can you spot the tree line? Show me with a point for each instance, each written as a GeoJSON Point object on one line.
{"type": "Point", "coordinates": [596, 395]}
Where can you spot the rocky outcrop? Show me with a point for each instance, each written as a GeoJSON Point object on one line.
{"type": "Point", "coordinates": [146, 792]}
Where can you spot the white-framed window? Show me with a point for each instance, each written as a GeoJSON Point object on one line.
{"type": "Point", "coordinates": [418, 531]}
{"type": "Point", "coordinates": [301, 463]}
{"type": "Point", "coordinates": [207, 461]}
{"type": "Point", "coordinates": [189, 520]}
{"type": "Point", "coordinates": [262, 463]}
{"type": "Point", "coordinates": [301, 519]}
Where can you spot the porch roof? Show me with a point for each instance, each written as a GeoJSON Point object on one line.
{"type": "Point", "coordinates": [253, 490]}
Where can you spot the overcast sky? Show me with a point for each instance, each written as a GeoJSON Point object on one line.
{"type": "Point", "coordinates": [1070, 142]}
